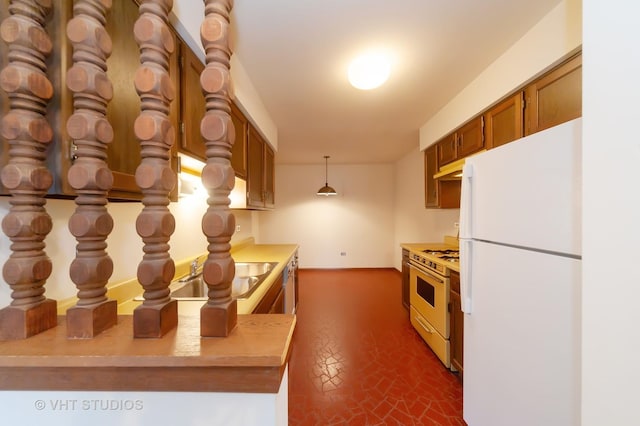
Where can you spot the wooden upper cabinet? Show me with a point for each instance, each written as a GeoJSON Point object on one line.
{"type": "Point", "coordinates": [193, 109]}
{"type": "Point", "coordinates": [239, 149]}
{"type": "Point", "coordinates": [260, 172]}
{"type": "Point", "coordinates": [470, 138]}
{"type": "Point", "coordinates": [466, 140]}
{"type": "Point", "coordinates": [438, 193]}
{"type": "Point", "coordinates": [192, 104]}
{"type": "Point", "coordinates": [430, 184]}
{"type": "Point", "coordinates": [124, 152]}
{"type": "Point", "coordinates": [269, 177]}
{"type": "Point", "coordinates": [504, 122]}
{"type": "Point", "coordinates": [447, 151]}
{"type": "Point", "coordinates": [555, 98]}
{"type": "Point", "coordinates": [255, 170]}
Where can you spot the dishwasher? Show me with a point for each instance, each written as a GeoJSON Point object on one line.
{"type": "Point", "coordinates": [289, 284]}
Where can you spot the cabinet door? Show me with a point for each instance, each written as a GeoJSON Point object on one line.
{"type": "Point", "coordinates": [456, 338]}
{"type": "Point", "coordinates": [255, 170]}
{"type": "Point", "coordinates": [447, 150]}
{"type": "Point", "coordinates": [192, 104]}
{"type": "Point", "coordinates": [270, 298]}
{"type": "Point", "coordinates": [405, 278]}
{"type": "Point", "coordinates": [470, 138]}
{"type": "Point", "coordinates": [239, 150]}
{"type": "Point", "coordinates": [278, 304]}
{"type": "Point", "coordinates": [503, 122]}
{"type": "Point", "coordinates": [124, 108]}
{"type": "Point", "coordinates": [430, 184]}
{"type": "Point", "coordinates": [269, 176]}
{"type": "Point", "coordinates": [555, 98]}
{"type": "Point", "coordinates": [124, 152]}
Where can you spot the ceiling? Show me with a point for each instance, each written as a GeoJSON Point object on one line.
{"type": "Point", "coordinates": [296, 53]}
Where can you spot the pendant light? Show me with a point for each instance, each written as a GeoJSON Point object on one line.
{"type": "Point", "coordinates": [326, 189]}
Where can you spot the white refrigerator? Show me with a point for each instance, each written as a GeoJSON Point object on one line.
{"type": "Point", "coordinates": [520, 260]}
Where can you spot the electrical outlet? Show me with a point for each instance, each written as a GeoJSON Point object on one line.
{"type": "Point", "coordinates": [237, 228]}
{"type": "Point", "coordinates": [456, 225]}
{"type": "Point", "coordinates": [343, 253]}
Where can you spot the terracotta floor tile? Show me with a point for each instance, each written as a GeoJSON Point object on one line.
{"type": "Point", "coordinates": [356, 359]}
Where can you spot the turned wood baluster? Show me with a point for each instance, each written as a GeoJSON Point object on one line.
{"type": "Point", "coordinates": [219, 315]}
{"type": "Point", "coordinates": [90, 175]}
{"type": "Point", "coordinates": [158, 313]}
{"type": "Point", "coordinates": [26, 176]}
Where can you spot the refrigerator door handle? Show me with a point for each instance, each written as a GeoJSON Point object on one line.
{"type": "Point", "coordinates": [466, 201]}
{"type": "Point", "coordinates": [466, 290]}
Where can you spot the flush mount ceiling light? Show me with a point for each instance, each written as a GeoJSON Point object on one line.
{"type": "Point", "coordinates": [369, 70]}
{"type": "Point", "coordinates": [326, 189]}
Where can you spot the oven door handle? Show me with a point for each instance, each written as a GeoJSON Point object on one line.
{"type": "Point", "coordinates": [422, 271]}
{"type": "Point", "coordinates": [424, 326]}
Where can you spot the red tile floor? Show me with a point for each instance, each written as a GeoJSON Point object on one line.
{"type": "Point", "coordinates": [356, 359]}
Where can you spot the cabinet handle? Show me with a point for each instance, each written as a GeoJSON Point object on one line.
{"type": "Point", "coordinates": [424, 326]}
{"type": "Point", "coordinates": [460, 140]}
{"type": "Point", "coordinates": [72, 151]}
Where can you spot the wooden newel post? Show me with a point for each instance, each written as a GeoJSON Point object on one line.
{"type": "Point", "coordinates": [218, 316]}
{"type": "Point", "coordinates": [90, 175]}
{"type": "Point", "coordinates": [26, 176]}
{"type": "Point", "coordinates": [158, 313]}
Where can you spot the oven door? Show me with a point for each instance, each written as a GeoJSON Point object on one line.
{"type": "Point", "coordinates": [429, 295]}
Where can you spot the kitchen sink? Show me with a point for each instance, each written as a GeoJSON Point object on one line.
{"type": "Point", "coordinates": [248, 277]}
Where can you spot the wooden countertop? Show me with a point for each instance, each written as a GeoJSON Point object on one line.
{"type": "Point", "coordinates": [251, 359]}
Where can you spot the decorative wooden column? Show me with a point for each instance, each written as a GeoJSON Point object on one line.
{"type": "Point", "coordinates": [90, 176]}
{"type": "Point", "coordinates": [26, 176]}
{"type": "Point", "coordinates": [218, 316]}
{"type": "Point", "coordinates": [158, 313]}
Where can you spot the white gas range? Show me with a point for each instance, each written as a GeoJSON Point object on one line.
{"type": "Point", "coordinates": [429, 296]}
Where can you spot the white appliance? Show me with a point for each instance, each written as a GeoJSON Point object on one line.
{"type": "Point", "coordinates": [520, 251]}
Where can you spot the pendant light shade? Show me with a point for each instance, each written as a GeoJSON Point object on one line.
{"type": "Point", "coordinates": [326, 189]}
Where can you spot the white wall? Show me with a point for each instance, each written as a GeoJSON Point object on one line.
{"type": "Point", "coordinates": [125, 246]}
{"type": "Point", "coordinates": [558, 33]}
{"type": "Point", "coordinates": [611, 212]}
{"type": "Point", "coordinates": [413, 222]}
{"type": "Point", "coordinates": [358, 221]}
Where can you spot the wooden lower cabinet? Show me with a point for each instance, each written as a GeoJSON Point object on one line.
{"type": "Point", "coordinates": [405, 278]}
{"type": "Point", "coordinates": [273, 300]}
{"type": "Point", "coordinates": [456, 325]}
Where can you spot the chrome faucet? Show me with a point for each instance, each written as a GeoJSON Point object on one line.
{"type": "Point", "coordinates": [194, 267]}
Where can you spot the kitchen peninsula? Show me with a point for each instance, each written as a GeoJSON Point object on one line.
{"type": "Point", "coordinates": [182, 377]}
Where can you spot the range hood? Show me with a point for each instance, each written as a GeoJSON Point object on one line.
{"type": "Point", "coordinates": [453, 170]}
